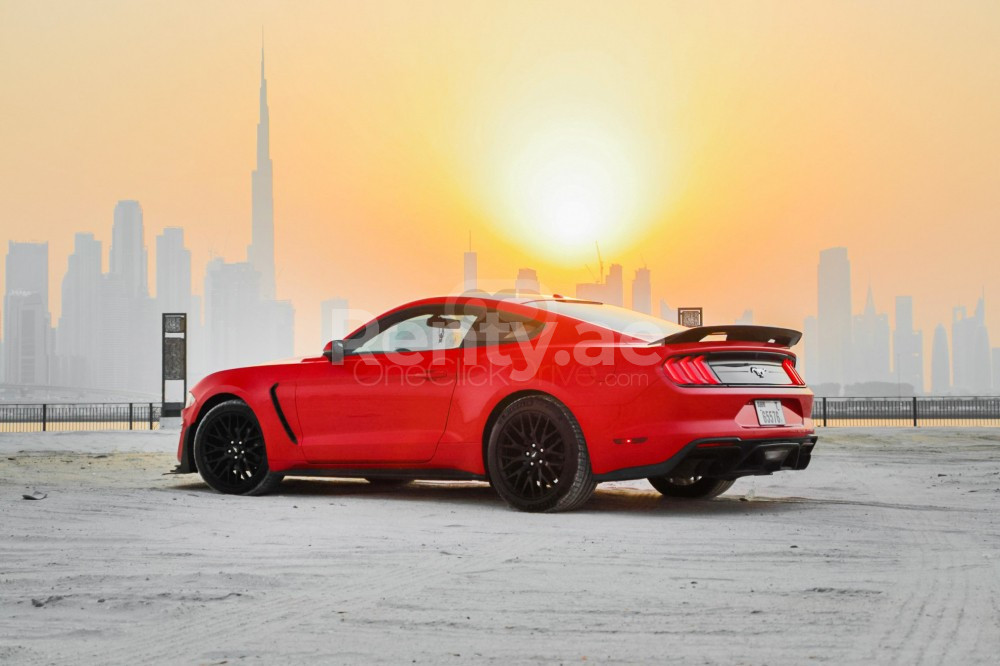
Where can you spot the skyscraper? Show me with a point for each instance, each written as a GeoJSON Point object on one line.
{"type": "Point", "coordinates": [810, 356]}
{"type": "Point", "coordinates": [277, 329]}
{"type": "Point", "coordinates": [232, 315]}
{"type": "Point", "coordinates": [615, 284]}
{"type": "Point", "coordinates": [609, 289]}
{"type": "Point", "coordinates": [333, 321]}
{"type": "Point", "coordinates": [78, 336]}
{"type": "Point", "coordinates": [128, 250]}
{"type": "Point", "coordinates": [834, 317]}
{"type": "Point", "coordinates": [642, 298]}
{"type": "Point", "coordinates": [970, 351]}
{"type": "Point", "coordinates": [470, 279]}
{"type": "Point", "coordinates": [117, 326]}
{"type": "Point", "coordinates": [173, 272]}
{"type": "Point", "coordinates": [173, 293]}
{"type": "Point", "coordinates": [243, 322]}
{"type": "Point", "coordinates": [26, 323]}
{"type": "Point", "coordinates": [996, 370]}
{"type": "Point", "coordinates": [871, 344]}
{"type": "Point", "coordinates": [667, 312]}
{"type": "Point", "coordinates": [591, 291]}
{"type": "Point", "coordinates": [940, 365]}
{"type": "Point", "coordinates": [527, 281]}
{"type": "Point", "coordinates": [907, 347]}
{"type": "Point", "coordinates": [28, 269]}
{"type": "Point", "coordinates": [260, 254]}
{"type": "Point", "coordinates": [128, 323]}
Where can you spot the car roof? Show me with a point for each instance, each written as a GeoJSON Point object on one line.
{"type": "Point", "coordinates": [475, 298]}
{"type": "Point", "coordinates": [500, 297]}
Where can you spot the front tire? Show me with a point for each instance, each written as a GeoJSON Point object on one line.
{"type": "Point", "coordinates": [537, 457]}
{"type": "Point", "coordinates": [696, 487]}
{"type": "Point", "coordinates": [230, 453]}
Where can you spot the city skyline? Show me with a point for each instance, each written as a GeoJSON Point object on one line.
{"type": "Point", "coordinates": [846, 352]}
{"type": "Point", "coordinates": [110, 320]}
{"type": "Point", "coordinates": [388, 157]}
{"type": "Point", "coordinates": [110, 311]}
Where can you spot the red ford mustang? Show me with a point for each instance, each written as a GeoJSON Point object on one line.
{"type": "Point", "coordinates": [542, 397]}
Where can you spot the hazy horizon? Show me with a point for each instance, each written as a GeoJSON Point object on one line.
{"type": "Point", "coordinates": [722, 146]}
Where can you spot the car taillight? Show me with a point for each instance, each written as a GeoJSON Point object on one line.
{"type": "Point", "coordinates": [688, 370]}
{"type": "Point", "coordinates": [789, 366]}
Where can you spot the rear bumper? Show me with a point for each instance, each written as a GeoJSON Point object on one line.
{"type": "Point", "coordinates": [726, 458]}
{"type": "Point", "coordinates": [664, 419]}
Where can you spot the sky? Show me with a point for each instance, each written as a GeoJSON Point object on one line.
{"type": "Point", "coordinates": [721, 144]}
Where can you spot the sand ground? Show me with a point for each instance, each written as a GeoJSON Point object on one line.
{"type": "Point", "coordinates": [886, 550]}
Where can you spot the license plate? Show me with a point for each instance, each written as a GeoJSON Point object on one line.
{"type": "Point", "coordinates": [769, 412]}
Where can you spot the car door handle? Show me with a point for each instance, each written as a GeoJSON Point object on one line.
{"type": "Point", "coordinates": [436, 374]}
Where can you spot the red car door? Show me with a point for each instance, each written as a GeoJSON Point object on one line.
{"type": "Point", "coordinates": [381, 407]}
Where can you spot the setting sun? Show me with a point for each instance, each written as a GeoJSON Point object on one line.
{"type": "Point", "coordinates": [570, 186]}
{"type": "Point", "coordinates": [565, 161]}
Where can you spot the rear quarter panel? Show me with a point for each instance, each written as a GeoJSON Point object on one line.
{"type": "Point", "coordinates": [584, 375]}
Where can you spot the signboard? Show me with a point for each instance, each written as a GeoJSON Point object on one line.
{"type": "Point", "coordinates": [690, 317]}
{"type": "Point", "coordinates": [174, 323]}
{"type": "Point", "coordinates": [174, 361]}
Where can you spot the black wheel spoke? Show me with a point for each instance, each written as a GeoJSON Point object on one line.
{"type": "Point", "coordinates": [551, 435]}
{"type": "Point", "coordinates": [511, 463]}
{"type": "Point", "coordinates": [532, 454]}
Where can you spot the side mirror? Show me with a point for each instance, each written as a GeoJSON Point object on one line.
{"type": "Point", "coordinates": [334, 352]}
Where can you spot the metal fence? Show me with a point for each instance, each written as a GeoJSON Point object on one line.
{"type": "Point", "coordinates": [80, 416]}
{"type": "Point", "coordinates": [902, 412]}
{"type": "Point", "coordinates": [827, 412]}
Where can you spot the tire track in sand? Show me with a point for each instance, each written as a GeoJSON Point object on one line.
{"type": "Point", "coordinates": [216, 630]}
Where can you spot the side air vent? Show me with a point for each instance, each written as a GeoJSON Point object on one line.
{"type": "Point", "coordinates": [281, 415]}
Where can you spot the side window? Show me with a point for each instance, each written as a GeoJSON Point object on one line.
{"type": "Point", "coordinates": [422, 332]}
{"type": "Point", "coordinates": [497, 327]}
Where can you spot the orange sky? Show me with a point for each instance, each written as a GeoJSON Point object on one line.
{"type": "Point", "coordinates": [723, 143]}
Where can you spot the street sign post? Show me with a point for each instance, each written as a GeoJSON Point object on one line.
{"type": "Point", "coordinates": [174, 360]}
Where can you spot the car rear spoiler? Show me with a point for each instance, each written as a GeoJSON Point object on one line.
{"type": "Point", "coordinates": [785, 337]}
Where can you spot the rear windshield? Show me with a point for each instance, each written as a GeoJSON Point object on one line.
{"type": "Point", "coordinates": [643, 326]}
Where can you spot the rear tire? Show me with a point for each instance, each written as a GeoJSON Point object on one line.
{"type": "Point", "coordinates": [690, 488]}
{"type": "Point", "coordinates": [230, 453]}
{"type": "Point", "coordinates": [537, 457]}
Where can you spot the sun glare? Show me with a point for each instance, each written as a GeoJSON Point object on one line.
{"type": "Point", "coordinates": [565, 160]}
{"type": "Point", "coordinates": [567, 186]}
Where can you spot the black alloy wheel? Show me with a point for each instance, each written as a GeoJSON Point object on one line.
{"type": "Point", "coordinates": [537, 457]}
{"type": "Point", "coordinates": [690, 487]}
{"type": "Point", "coordinates": [230, 453]}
